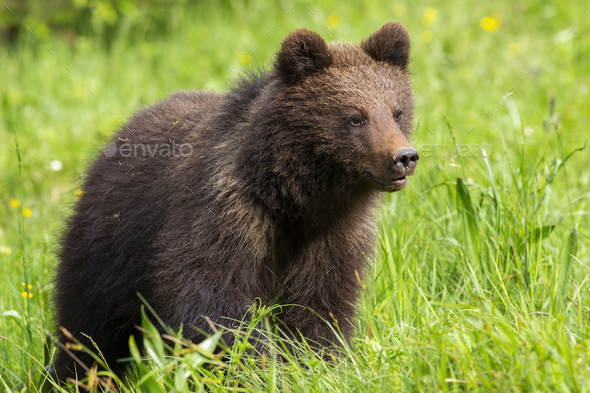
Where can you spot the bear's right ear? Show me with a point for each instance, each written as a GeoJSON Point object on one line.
{"type": "Point", "coordinates": [390, 44]}
{"type": "Point", "coordinates": [303, 52]}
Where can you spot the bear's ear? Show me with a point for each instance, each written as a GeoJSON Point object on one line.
{"type": "Point", "coordinates": [303, 52]}
{"type": "Point", "coordinates": [390, 44]}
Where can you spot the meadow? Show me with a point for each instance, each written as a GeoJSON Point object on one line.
{"type": "Point", "coordinates": [481, 277]}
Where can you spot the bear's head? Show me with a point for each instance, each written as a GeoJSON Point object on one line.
{"type": "Point", "coordinates": [355, 103]}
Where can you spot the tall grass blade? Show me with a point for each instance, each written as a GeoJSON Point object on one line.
{"type": "Point", "coordinates": [465, 206]}
{"type": "Point", "coordinates": [568, 253]}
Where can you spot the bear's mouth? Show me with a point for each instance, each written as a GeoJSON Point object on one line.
{"type": "Point", "coordinates": [387, 184]}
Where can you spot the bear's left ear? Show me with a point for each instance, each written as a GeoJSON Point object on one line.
{"type": "Point", "coordinates": [303, 52]}
{"type": "Point", "coordinates": [390, 44]}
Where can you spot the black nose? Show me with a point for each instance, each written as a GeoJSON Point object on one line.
{"type": "Point", "coordinates": [405, 158]}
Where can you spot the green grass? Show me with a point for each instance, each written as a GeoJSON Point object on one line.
{"type": "Point", "coordinates": [481, 281]}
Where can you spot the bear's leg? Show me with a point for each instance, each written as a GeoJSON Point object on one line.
{"type": "Point", "coordinates": [329, 295]}
{"type": "Point", "coordinates": [206, 303]}
{"type": "Point", "coordinates": [113, 346]}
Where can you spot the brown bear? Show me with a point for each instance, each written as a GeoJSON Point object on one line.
{"type": "Point", "coordinates": [205, 202]}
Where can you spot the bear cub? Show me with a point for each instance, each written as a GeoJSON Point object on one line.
{"type": "Point", "coordinates": [204, 202]}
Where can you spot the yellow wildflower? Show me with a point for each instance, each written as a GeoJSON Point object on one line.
{"type": "Point", "coordinates": [426, 36]}
{"type": "Point", "coordinates": [244, 58]}
{"type": "Point", "coordinates": [333, 20]}
{"type": "Point", "coordinates": [430, 15]}
{"type": "Point", "coordinates": [78, 193]}
{"type": "Point", "coordinates": [26, 294]}
{"type": "Point", "coordinates": [14, 203]}
{"type": "Point", "coordinates": [27, 212]}
{"type": "Point", "coordinates": [491, 23]}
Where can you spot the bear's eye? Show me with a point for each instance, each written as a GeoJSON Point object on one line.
{"type": "Point", "coordinates": [356, 121]}
{"type": "Point", "coordinates": [398, 116]}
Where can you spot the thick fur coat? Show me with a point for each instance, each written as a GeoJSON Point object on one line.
{"type": "Point", "coordinates": [268, 191]}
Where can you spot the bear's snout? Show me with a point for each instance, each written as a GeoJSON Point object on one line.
{"type": "Point", "coordinates": [404, 161]}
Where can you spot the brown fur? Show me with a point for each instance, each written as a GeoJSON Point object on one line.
{"type": "Point", "coordinates": [276, 201]}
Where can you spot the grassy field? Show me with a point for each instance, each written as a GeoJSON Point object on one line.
{"type": "Point", "coordinates": [481, 280]}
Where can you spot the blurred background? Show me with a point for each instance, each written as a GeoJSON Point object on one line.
{"type": "Point", "coordinates": [74, 70]}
